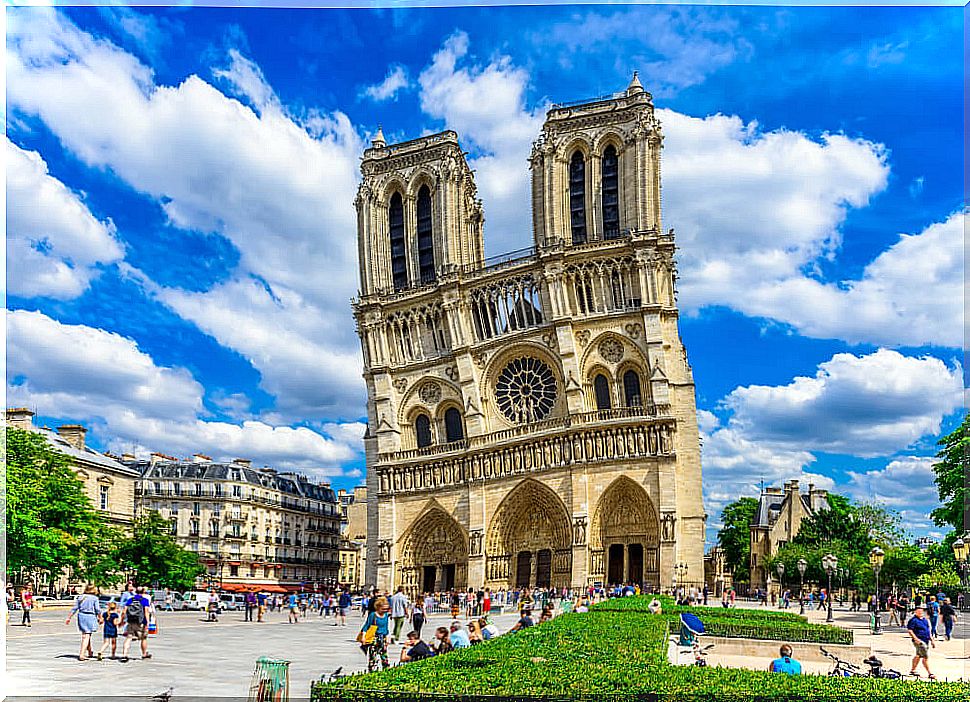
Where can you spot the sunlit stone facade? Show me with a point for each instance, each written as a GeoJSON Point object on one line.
{"type": "Point", "coordinates": [531, 416]}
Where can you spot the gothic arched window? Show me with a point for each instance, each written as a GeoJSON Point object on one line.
{"type": "Point", "coordinates": [601, 389]}
{"type": "Point", "coordinates": [422, 430]}
{"type": "Point", "coordinates": [454, 430]}
{"type": "Point", "coordinates": [577, 197]}
{"type": "Point", "coordinates": [425, 238]}
{"type": "Point", "coordinates": [631, 389]}
{"type": "Point", "coordinates": [611, 193]}
{"type": "Point", "coordinates": [399, 257]}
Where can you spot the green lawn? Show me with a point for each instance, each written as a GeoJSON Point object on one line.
{"type": "Point", "coordinates": [612, 655]}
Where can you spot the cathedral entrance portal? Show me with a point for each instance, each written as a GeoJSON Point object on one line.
{"type": "Point", "coordinates": [433, 553]}
{"type": "Point", "coordinates": [625, 527]}
{"type": "Point", "coordinates": [529, 540]}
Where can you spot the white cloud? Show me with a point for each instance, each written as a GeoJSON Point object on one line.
{"type": "Point", "coordinates": [905, 485]}
{"type": "Point", "coordinates": [674, 48]}
{"type": "Point", "coordinates": [866, 406]}
{"type": "Point", "coordinates": [102, 378]}
{"type": "Point", "coordinates": [395, 81]}
{"type": "Point", "coordinates": [54, 244]}
{"type": "Point", "coordinates": [279, 187]}
{"type": "Point", "coordinates": [486, 105]}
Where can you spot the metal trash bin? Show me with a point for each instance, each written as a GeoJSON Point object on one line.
{"type": "Point", "coordinates": [271, 681]}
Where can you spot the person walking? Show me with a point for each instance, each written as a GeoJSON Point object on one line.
{"type": "Point", "coordinates": [250, 605]}
{"type": "Point", "coordinates": [26, 602]}
{"type": "Point", "coordinates": [110, 618]}
{"type": "Point", "coordinates": [343, 604]}
{"type": "Point", "coordinates": [136, 616]}
{"type": "Point", "coordinates": [933, 610]}
{"type": "Point", "coordinates": [260, 606]}
{"type": "Point", "coordinates": [88, 611]}
{"type": "Point", "coordinates": [294, 607]}
{"type": "Point", "coordinates": [373, 635]}
{"type": "Point", "coordinates": [949, 615]}
{"type": "Point", "coordinates": [400, 607]}
{"type": "Point", "coordinates": [919, 632]}
{"type": "Point", "coordinates": [213, 606]}
{"type": "Point", "coordinates": [417, 615]}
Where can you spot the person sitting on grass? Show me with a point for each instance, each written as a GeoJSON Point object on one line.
{"type": "Point", "coordinates": [459, 637]}
{"type": "Point", "coordinates": [654, 607]}
{"type": "Point", "coordinates": [489, 630]}
{"type": "Point", "coordinates": [785, 663]}
{"type": "Point", "coordinates": [415, 649]}
{"type": "Point", "coordinates": [441, 643]}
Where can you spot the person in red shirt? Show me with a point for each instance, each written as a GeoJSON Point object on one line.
{"type": "Point", "coordinates": [27, 602]}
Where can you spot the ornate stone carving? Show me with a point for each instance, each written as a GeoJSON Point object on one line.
{"type": "Point", "coordinates": [452, 373]}
{"type": "Point", "coordinates": [526, 390]}
{"type": "Point", "coordinates": [384, 552]}
{"type": "Point", "coordinates": [549, 339]}
{"type": "Point", "coordinates": [481, 359]}
{"type": "Point", "coordinates": [401, 384]}
{"type": "Point", "coordinates": [429, 392]}
{"type": "Point", "coordinates": [582, 337]}
{"type": "Point", "coordinates": [475, 540]}
{"type": "Point", "coordinates": [579, 531]}
{"type": "Point", "coordinates": [633, 330]}
{"type": "Point", "coordinates": [611, 350]}
{"type": "Point", "coordinates": [668, 523]}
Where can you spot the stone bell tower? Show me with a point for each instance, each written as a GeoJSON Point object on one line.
{"type": "Point", "coordinates": [531, 417]}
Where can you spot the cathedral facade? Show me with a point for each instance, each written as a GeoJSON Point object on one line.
{"type": "Point", "coordinates": [531, 417]}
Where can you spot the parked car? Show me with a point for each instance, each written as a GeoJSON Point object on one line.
{"type": "Point", "coordinates": [158, 599]}
{"type": "Point", "coordinates": [103, 601]}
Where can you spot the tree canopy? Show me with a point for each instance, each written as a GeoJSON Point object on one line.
{"type": "Point", "coordinates": [51, 524]}
{"type": "Point", "coordinates": [951, 477]}
{"type": "Point", "coordinates": [152, 556]}
{"type": "Point", "coordinates": [734, 538]}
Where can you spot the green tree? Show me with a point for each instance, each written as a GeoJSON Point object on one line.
{"type": "Point", "coordinates": [883, 525]}
{"type": "Point", "coordinates": [951, 477]}
{"type": "Point", "coordinates": [734, 538]}
{"type": "Point", "coordinates": [51, 524]}
{"type": "Point", "coordinates": [903, 565]}
{"type": "Point", "coordinates": [840, 522]}
{"type": "Point", "coordinates": [942, 576]}
{"type": "Point", "coordinates": [859, 571]}
{"type": "Point", "coordinates": [152, 556]}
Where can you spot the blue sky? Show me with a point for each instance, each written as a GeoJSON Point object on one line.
{"type": "Point", "coordinates": [180, 229]}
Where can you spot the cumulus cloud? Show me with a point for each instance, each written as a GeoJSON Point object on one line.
{"type": "Point", "coordinates": [905, 484]}
{"type": "Point", "coordinates": [395, 81]}
{"type": "Point", "coordinates": [868, 406]}
{"type": "Point", "coordinates": [100, 377]}
{"type": "Point", "coordinates": [486, 104]}
{"type": "Point", "coordinates": [278, 186]}
{"type": "Point", "coordinates": [871, 405]}
{"type": "Point", "coordinates": [55, 246]}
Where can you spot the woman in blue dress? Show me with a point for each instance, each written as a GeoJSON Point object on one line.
{"type": "Point", "coordinates": [88, 611]}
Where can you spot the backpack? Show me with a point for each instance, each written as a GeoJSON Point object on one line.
{"type": "Point", "coordinates": [135, 611]}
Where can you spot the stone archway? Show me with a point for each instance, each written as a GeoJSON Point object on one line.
{"type": "Point", "coordinates": [433, 554]}
{"type": "Point", "coordinates": [625, 536]}
{"type": "Point", "coordinates": [529, 540]}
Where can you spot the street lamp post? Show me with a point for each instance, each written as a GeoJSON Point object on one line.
{"type": "Point", "coordinates": [961, 549]}
{"type": "Point", "coordinates": [830, 563]}
{"type": "Point", "coordinates": [875, 560]}
{"type": "Point", "coordinates": [802, 565]}
{"type": "Point", "coordinates": [781, 574]}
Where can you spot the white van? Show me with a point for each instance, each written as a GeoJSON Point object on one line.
{"type": "Point", "coordinates": [196, 600]}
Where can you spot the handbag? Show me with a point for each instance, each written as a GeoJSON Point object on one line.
{"type": "Point", "coordinates": [366, 637]}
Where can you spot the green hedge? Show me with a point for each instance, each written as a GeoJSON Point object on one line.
{"type": "Point", "coordinates": [577, 656]}
{"type": "Point", "coordinates": [640, 604]}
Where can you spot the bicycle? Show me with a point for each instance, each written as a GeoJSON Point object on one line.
{"type": "Point", "coordinates": [700, 654]}
{"type": "Point", "coordinates": [877, 671]}
{"type": "Point", "coordinates": [841, 668]}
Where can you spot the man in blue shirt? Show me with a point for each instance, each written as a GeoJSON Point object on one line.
{"type": "Point", "coordinates": [344, 604]}
{"type": "Point", "coordinates": [919, 632]}
{"type": "Point", "coordinates": [459, 637]}
{"type": "Point", "coordinates": [785, 663]}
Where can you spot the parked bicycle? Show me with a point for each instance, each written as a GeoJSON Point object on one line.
{"type": "Point", "coordinates": [877, 671]}
{"type": "Point", "coordinates": [700, 653]}
{"type": "Point", "coordinates": [841, 668]}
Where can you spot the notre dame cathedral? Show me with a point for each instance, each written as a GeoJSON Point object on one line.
{"type": "Point", "coordinates": [531, 415]}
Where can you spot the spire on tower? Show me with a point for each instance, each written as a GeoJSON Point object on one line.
{"type": "Point", "coordinates": [635, 85]}
{"type": "Point", "coordinates": [378, 142]}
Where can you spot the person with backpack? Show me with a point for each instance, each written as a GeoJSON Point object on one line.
{"type": "Point", "coordinates": [344, 603]}
{"type": "Point", "coordinates": [136, 616]}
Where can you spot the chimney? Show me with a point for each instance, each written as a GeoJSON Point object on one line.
{"type": "Point", "coordinates": [20, 418]}
{"type": "Point", "coordinates": [244, 462]}
{"type": "Point", "coordinates": [157, 457]}
{"type": "Point", "coordinates": [127, 458]}
{"type": "Point", "coordinates": [791, 486]}
{"type": "Point", "coordinates": [73, 434]}
{"type": "Point", "coordinates": [201, 458]}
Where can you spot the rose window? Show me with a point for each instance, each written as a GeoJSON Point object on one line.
{"type": "Point", "coordinates": [526, 390]}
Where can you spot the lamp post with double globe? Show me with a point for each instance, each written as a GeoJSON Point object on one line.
{"type": "Point", "coordinates": [961, 550]}
{"type": "Point", "coordinates": [830, 563]}
{"type": "Point", "coordinates": [781, 585]}
{"type": "Point", "coordinates": [802, 566]}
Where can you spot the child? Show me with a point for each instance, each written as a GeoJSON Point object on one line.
{"type": "Point", "coordinates": [111, 618]}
